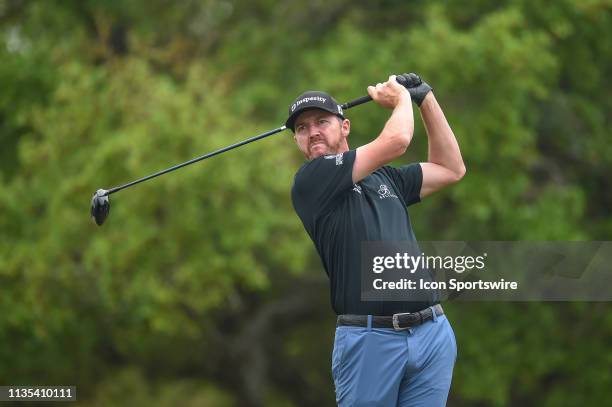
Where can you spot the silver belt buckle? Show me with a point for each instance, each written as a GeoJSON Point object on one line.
{"type": "Point", "coordinates": [396, 325]}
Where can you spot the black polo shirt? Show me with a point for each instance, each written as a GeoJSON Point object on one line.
{"type": "Point", "coordinates": [338, 215]}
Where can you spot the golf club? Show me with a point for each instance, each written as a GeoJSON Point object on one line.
{"type": "Point", "coordinates": [100, 204]}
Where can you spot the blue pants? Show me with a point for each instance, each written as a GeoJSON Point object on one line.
{"type": "Point", "coordinates": [384, 367]}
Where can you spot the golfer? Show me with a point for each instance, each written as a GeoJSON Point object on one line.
{"type": "Point", "coordinates": [386, 353]}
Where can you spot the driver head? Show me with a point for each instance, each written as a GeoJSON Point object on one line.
{"type": "Point", "coordinates": [100, 206]}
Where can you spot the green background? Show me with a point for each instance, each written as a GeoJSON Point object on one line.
{"type": "Point", "coordinates": [202, 288]}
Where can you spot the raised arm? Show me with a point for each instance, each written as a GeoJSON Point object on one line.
{"type": "Point", "coordinates": [444, 164]}
{"type": "Point", "coordinates": [395, 137]}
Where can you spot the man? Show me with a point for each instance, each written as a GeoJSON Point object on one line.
{"type": "Point", "coordinates": [344, 197]}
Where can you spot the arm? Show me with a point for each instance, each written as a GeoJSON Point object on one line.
{"type": "Point", "coordinates": [444, 164]}
{"type": "Point", "coordinates": [395, 137]}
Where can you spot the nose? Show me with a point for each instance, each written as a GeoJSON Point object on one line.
{"type": "Point", "coordinates": [313, 132]}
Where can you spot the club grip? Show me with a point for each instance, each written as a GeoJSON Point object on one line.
{"type": "Point", "coordinates": [355, 102]}
{"type": "Point", "coordinates": [408, 80]}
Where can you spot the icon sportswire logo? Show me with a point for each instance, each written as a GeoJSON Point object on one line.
{"type": "Point", "coordinates": [385, 192]}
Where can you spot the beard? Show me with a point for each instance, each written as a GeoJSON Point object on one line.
{"type": "Point", "coordinates": [323, 149]}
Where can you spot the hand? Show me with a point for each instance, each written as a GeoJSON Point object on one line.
{"type": "Point", "coordinates": [389, 94]}
{"type": "Point", "coordinates": [415, 85]}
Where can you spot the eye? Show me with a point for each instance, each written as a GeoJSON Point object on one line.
{"type": "Point", "coordinates": [323, 121]}
{"type": "Point", "coordinates": [299, 128]}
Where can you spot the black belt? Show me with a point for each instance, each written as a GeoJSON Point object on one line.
{"type": "Point", "coordinates": [398, 322]}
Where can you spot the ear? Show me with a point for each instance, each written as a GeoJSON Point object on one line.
{"type": "Point", "coordinates": [345, 128]}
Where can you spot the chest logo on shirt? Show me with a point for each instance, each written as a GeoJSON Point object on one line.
{"type": "Point", "coordinates": [338, 158]}
{"type": "Point", "coordinates": [357, 188]}
{"type": "Point", "coordinates": [385, 192]}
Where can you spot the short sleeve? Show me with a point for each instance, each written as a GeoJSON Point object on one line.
{"type": "Point", "coordinates": [409, 179]}
{"type": "Point", "coordinates": [320, 183]}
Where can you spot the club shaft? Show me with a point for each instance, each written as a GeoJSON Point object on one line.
{"type": "Point", "coordinates": [346, 105]}
{"type": "Point", "coordinates": [194, 160]}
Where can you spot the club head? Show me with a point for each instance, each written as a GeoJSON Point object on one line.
{"type": "Point", "coordinates": [100, 206]}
